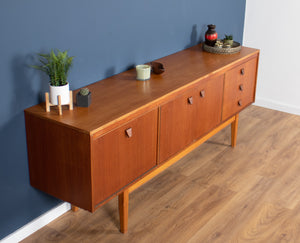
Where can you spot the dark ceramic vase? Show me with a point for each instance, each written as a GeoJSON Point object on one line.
{"type": "Point", "coordinates": [211, 35]}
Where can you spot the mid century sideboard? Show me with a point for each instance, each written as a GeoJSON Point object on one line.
{"type": "Point", "coordinates": [133, 129]}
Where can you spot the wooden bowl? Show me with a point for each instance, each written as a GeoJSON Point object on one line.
{"type": "Point", "coordinates": [157, 67]}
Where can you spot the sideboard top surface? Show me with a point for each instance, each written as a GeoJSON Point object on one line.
{"type": "Point", "coordinates": [120, 95]}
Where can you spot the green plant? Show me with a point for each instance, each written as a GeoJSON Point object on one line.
{"type": "Point", "coordinates": [228, 37]}
{"type": "Point", "coordinates": [56, 66]}
{"type": "Point", "coordinates": [84, 91]}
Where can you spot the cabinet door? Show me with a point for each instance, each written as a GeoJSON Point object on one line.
{"type": "Point", "coordinates": [122, 155]}
{"type": "Point", "coordinates": [176, 124]}
{"type": "Point", "coordinates": [190, 116]}
{"type": "Point", "coordinates": [239, 88]}
{"type": "Point", "coordinates": [209, 105]}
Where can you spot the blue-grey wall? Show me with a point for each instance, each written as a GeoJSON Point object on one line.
{"type": "Point", "coordinates": [107, 37]}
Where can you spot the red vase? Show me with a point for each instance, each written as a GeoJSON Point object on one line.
{"type": "Point", "coordinates": [211, 35]}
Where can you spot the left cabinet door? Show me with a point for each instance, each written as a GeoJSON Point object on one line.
{"type": "Point", "coordinates": [122, 155]}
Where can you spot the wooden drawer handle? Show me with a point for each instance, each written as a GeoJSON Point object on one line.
{"type": "Point", "coordinates": [242, 71]}
{"type": "Point", "coordinates": [128, 132]}
{"type": "Point", "coordinates": [202, 93]}
{"type": "Point", "coordinates": [240, 102]}
{"type": "Point", "coordinates": [190, 100]}
{"type": "Point", "coordinates": [241, 87]}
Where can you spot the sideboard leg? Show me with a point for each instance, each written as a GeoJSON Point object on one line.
{"type": "Point", "coordinates": [234, 130]}
{"type": "Point", "coordinates": [123, 210]}
{"type": "Point", "coordinates": [74, 208]}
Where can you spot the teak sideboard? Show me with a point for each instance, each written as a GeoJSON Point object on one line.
{"type": "Point", "coordinates": [133, 129]}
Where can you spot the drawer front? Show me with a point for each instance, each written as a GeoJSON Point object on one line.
{"type": "Point", "coordinates": [190, 116]}
{"type": "Point", "coordinates": [122, 155]}
{"type": "Point", "coordinates": [239, 88]}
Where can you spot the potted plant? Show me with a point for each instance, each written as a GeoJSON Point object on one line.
{"type": "Point", "coordinates": [56, 66]}
{"type": "Point", "coordinates": [83, 97]}
{"type": "Point", "coordinates": [228, 39]}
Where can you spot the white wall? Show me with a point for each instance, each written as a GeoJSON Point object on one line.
{"type": "Point", "coordinates": [273, 26]}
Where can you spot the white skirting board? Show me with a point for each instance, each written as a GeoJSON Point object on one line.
{"type": "Point", "coordinates": [274, 105]}
{"type": "Point", "coordinates": [37, 223]}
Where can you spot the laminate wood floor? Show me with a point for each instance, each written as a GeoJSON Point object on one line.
{"type": "Point", "coordinates": [214, 194]}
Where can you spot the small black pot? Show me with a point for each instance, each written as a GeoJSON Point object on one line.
{"type": "Point", "coordinates": [83, 100]}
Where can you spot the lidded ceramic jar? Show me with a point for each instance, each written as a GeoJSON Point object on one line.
{"type": "Point", "coordinates": [211, 35]}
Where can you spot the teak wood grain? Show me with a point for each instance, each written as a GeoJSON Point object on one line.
{"type": "Point", "coordinates": [134, 129]}
{"type": "Point", "coordinates": [59, 161]}
{"type": "Point", "coordinates": [182, 122]}
{"type": "Point", "coordinates": [239, 87]}
{"type": "Point", "coordinates": [119, 159]}
{"type": "Point", "coordinates": [117, 98]}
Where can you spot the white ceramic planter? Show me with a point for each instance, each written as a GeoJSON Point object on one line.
{"type": "Point", "coordinates": [63, 91]}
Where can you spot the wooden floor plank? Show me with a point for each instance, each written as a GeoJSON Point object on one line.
{"type": "Point", "coordinates": [288, 230]}
{"type": "Point", "coordinates": [264, 223]}
{"type": "Point", "coordinates": [214, 194]}
{"type": "Point", "coordinates": [286, 166]}
{"type": "Point", "coordinates": [186, 223]}
{"type": "Point", "coordinates": [228, 221]}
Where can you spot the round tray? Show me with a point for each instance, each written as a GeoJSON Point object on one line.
{"type": "Point", "coordinates": [236, 47]}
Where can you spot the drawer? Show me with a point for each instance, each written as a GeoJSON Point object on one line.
{"type": "Point", "coordinates": [189, 116]}
{"type": "Point", "coordinates": [239, 88]}
{"type": "Point", "coordinates": [122, 155]}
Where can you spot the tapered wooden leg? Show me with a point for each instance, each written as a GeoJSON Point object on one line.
{"type": "Point", "coordinates": [123, 210]}
{"type": "Point", "coordinates": [74, 208]}
{"type": "Point", "coordinates": [234, 130]}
